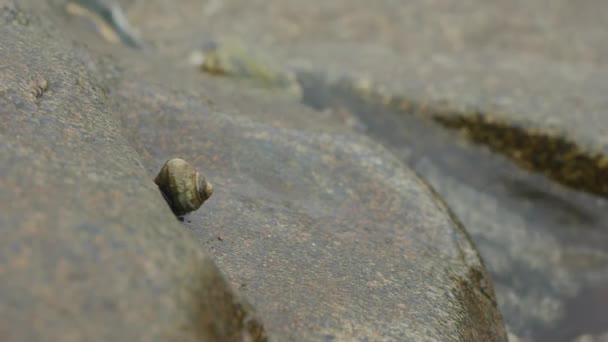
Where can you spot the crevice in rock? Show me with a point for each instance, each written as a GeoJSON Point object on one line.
{"type": "Point", "coordinates": [556, 157]}
{"type": "Point", "coordinates": [535, 149]}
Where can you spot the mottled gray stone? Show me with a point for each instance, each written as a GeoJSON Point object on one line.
{"type": "Point", "coordinates": [540, 65]}
{"type": "Point", "coordinates": [324, 231]}
{"type": "Point", "coordinates": [327, 235]}
{"type": "Point", "coordinates": [89, 251]}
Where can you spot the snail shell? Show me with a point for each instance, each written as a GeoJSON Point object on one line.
{"type": "Point", "coordinates": [184, 188]}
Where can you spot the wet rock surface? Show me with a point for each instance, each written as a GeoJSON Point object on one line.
{"type": "Point", "coordinates": [543, 243]}
{"type": "Point", "coordinates": [324, 231]}
{"type": "Point", "coordinates": [524, 78]}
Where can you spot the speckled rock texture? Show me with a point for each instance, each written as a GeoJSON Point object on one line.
{"type": "Point", "coordinates": [327, 234]}
{"type": "Point", "coordinates": [536, 67]}
{"type": "Point", "coordinates": [90, 251]}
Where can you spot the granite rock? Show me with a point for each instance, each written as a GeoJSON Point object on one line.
{"type": "Point", "coordinates": [524, 78]}
{"type": "Point", "coordinates": [90, 250]}
{"type": "Point", "coordinates": [323, 230]}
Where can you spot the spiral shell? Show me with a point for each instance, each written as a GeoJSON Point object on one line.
{"type": "Point", "coordinates": [184, 188]}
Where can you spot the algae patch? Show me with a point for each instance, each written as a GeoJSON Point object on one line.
{"type": "Point", "coordinates": [554, 156]}
{"type": "Point", "coordinates": [233, 59]}
{"type": "Point", "coordinates": [534, 148]}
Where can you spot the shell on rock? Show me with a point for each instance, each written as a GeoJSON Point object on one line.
{"type": "Point", "coordinates": [184, 188]}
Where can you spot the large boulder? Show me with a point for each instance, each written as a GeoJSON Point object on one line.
{"type": "Point", "coordinates": [326, 233]}
{"type": "Point", "coordinates": [90, 251]}
{"type": "Point", "coordinates": [525, 78]}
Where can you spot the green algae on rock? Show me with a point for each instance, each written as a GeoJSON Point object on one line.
{"type": "Point", "coordinates": [537, 149]}
{"type": "Point", "coordinates": [232, 58]}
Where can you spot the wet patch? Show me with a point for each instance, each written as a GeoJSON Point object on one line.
{"type": "Point", "coordinates": [533, 203]}
{"type": "Point", "coordinates": [536, 149]}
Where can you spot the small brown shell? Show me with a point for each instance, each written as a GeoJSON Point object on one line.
{"type": "Point", "coordinates": [184, 188]}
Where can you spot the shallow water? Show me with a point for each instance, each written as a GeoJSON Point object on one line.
{"type": "Point", "coordinates": [545, 245]}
